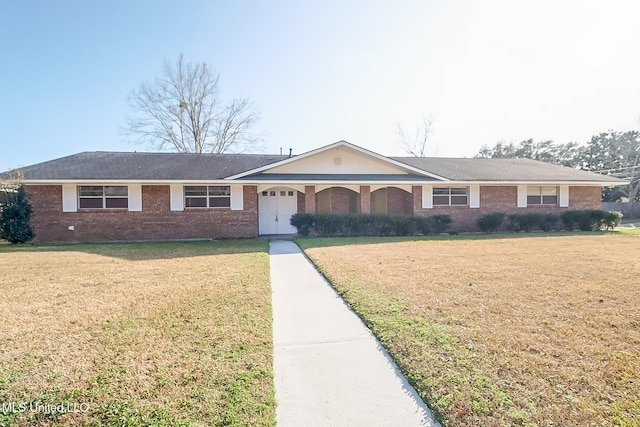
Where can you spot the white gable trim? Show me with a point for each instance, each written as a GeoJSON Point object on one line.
{"type": "Point", "coordinates": [335, 145]}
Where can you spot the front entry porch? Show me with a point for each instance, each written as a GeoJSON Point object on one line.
{"type": "Point", "coordinates": [276, 204]}
{"type": "Point", "coordinates": [345, 199]}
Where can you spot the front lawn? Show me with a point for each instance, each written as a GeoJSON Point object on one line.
{"type": "Point", "coordinates": [498, 331]}
{"type": "Point", "coordinates": [160, 334]}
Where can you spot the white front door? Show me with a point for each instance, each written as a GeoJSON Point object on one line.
{"type": "Point", "coordinates": [275, 208]}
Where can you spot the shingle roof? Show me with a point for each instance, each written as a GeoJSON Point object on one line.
{"type": "Point", "coordinates": [147, 166]}
{"type": "Point", "coordinates": [477, 169]}
{"type": "Point", "coordinates": [100, 165]}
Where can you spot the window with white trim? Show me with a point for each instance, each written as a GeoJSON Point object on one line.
{"type": "Point", "coordinates": [207, 196]}
{"type": "Point", "coordinates": [103, 197]}
{"type": "Point", "coordinates": [542, 195]}
{"type": "Point", "coordinates": [450, 196]}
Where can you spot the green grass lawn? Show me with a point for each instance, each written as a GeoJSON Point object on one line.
{"type": "Point", "coordinates": [537, 329]}
{"type": "Point", "coordinates": [140, 334]}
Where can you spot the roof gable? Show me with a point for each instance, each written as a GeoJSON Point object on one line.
{"type": "Point", "coordinates": [340, 158]}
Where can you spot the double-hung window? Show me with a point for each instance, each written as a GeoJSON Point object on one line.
{"type": "Point", "coordinates": [103, 197]}
{"type": "Point", "coordinates": [207, 196]}
{"type": "Point", "coordinates": [542, 195]}
{"type": "Point", "coordinates": [450, 196]}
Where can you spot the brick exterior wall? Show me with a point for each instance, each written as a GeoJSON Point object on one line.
{"type": "Point", "coordinates": [155, 222]}
{"type": "Point", "coordinates": [399, 202]}
{"type": "Point", "coordinates": [504, 199]}
{"type": "Point", "coordinates": [365, 199]}
{"type": "Point", "coordinates": [309, 199]}
{"type": "Point", "coordinates": [339, 201]}
{"type": "Point", "coordinates": [300, 205]}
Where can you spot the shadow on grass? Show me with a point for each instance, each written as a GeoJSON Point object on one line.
{"type": "Point", "coordinates": [320, 242]}
{"type": "Point", "coordinates": [142, 251]}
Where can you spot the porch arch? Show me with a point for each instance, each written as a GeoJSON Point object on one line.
{"type": "Point", "coordinates": [392, 200]}
{"type": "Point", "coordinates": [337, 200]}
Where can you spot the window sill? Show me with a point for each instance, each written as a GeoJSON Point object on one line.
{"type": "Point", "coordinates": [103, 210]}
{"type": "Point", "coordinates": [228, 208]}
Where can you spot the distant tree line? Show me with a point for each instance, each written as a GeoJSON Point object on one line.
{"type": "Point", "coordinates": [609, 153]}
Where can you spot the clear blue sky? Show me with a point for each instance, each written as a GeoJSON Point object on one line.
{"type": "Point", "coordinates": [322, 71]}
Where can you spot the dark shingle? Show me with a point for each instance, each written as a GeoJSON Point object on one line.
{"type": "Point", "coordinates": [501, 170]}
{"type": "Point", "coordinates": [187, 167]}
{"type": "Point", "coordinates": [144, 166]}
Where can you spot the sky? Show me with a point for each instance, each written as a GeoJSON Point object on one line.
{"type": "Point", "coordinates": [321, 71]}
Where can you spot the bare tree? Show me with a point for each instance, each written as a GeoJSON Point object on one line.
{"type": "Point", "coordinates": [417, 144]}
{"type": "Point", "coordinates": [182, 110]}
{"type": "Point", "coordinates": [11, 180]}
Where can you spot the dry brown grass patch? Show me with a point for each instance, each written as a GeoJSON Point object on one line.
{"type": "Point", "coordinates": [527, 331]}
{"type": "Point", "coordinates": [176, 332]}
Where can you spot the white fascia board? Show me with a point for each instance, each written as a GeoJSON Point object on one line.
{"type": "Point", "coordinates": [433, 183]}
{"type": "Point", "coordinates": [549, 183]}
{"type": "Point", "coordinates": [124, 182]}
{"type": "Point", "coordinates": [226, 181]}
{"type": "Point", "coordinates": [330, 147]}
{"type": "Point", "coordinates": [342, 183]}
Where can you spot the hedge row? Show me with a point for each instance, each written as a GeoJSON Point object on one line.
{"type": "Point", "coordinates": [328, 225]}
{"type": "Point", "coordinates": [585, 220]}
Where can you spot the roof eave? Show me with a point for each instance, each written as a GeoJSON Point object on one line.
{"type": "Point", "coordinates": [323, 182]}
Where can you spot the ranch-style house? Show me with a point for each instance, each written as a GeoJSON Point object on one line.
{"type": "Point", "coordinates": [106, 196]}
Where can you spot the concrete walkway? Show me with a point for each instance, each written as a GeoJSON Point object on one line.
{"type": "Point", "coordinates": [329, 369]}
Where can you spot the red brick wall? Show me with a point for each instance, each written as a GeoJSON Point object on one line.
{"type": "Point", "coordinates": [365, 199]}
{"type": "Point", "coordinates": [155, 222]}
{"type": "Point", "coordinates": [339, 201]}
{"type": "Point", "coordinates": [504, 199]}
{"type": "Point", "coordinates": [300, 202]}
{"type": "Point", "coordinates": [310, 201]}
{"type": "Point", "coordinates": [158, 222]}
{"type": "Point", "coordinates": [399, 202]}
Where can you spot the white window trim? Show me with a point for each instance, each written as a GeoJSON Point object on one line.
{"type": "Point", "coordinates": [237, 197]}
{"type": "Point", "coordinates": [541, 195]}
{"type": "Point", "coordinates": [427, 197]}
{"type": "Point", "coordinates": [207, 197]}
{"type": "Point", "coordinates": [522, 196]}
{"type": "Point", "coordinates": [69, 198]}
{"type": "Point", "coordinates": [135, 197]}
{"type": "Point", "coordinates": [176, 197]}
{"type": "Point", "coordinates": [563, 196]}
{"type": "Point", "coordinates": [451, 195]}
{"type": "Point", "coordinates": [104, 197]}
{"type": "Point", "coordinates": [474, 196]}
